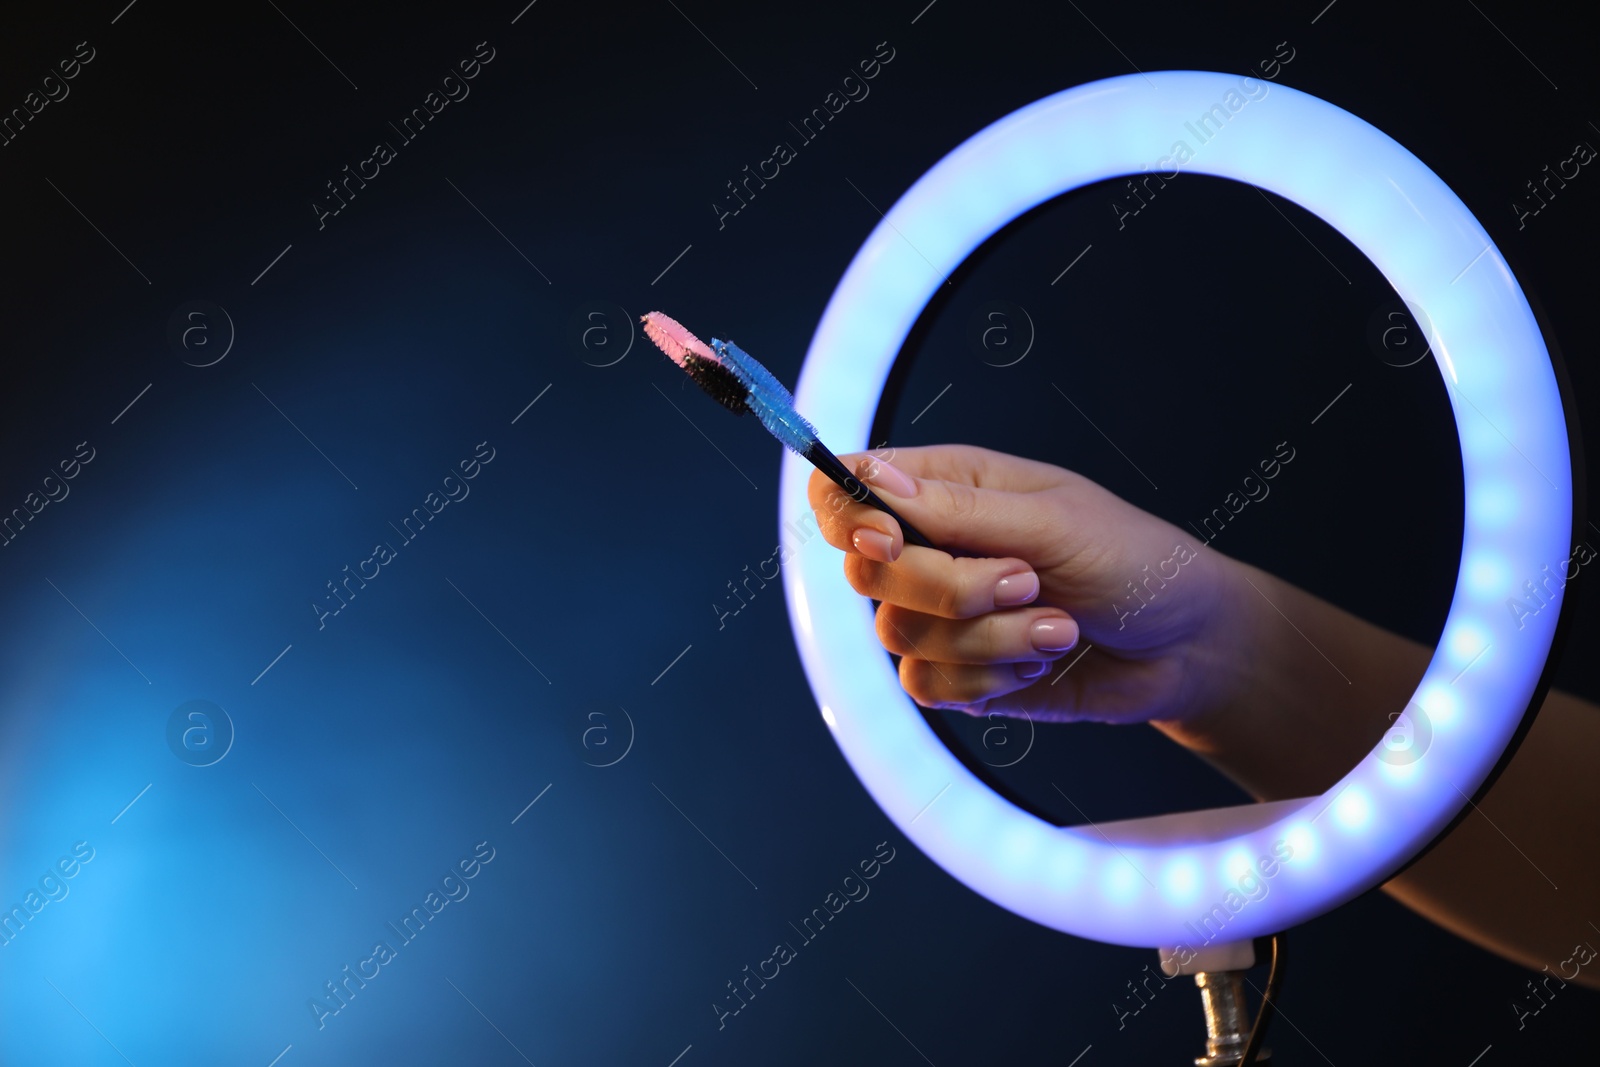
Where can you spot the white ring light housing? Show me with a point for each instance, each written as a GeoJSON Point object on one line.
{"type": "Point", "coordinates": [1140, 883]}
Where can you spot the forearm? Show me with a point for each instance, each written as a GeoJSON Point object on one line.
{"type": "Point", "coordinates": [1315, 688]}
{"type": "Point", "coordinates": [1519, 875]}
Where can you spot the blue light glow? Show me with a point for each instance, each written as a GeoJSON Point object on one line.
{"type": "Point", "coordinates": [1516, 467]}
{"type": "Point", "coordinates": [1487, 575]}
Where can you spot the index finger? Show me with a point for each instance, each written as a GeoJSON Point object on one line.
{"type": "Point", "coordinates": [839, 515]}
{"type": "Point", "coordinates": [982, 468]}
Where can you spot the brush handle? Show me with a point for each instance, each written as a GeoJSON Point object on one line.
{"type": "Point", "coordinates": [830, 464]}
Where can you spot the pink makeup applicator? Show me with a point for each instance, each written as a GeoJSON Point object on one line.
{"type": "Point", "coordinates": [733, 378]}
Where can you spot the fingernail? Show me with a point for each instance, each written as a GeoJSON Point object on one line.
{"type": "Point", "coordinates": [881, 474]}
{"type": "Point", "coordinates": [1016, 589]}
{"type": "Point", "coordinates": [874, 544]}
{"type": "Point", "coordinates": [1027, 672]}
{"type": "Point", "coordinates": [1053, 635]}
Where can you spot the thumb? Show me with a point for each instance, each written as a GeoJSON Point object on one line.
{"type": "Point", "coordinates": [967, 519]}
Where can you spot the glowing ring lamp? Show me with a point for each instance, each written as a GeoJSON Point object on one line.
{"type": "Point", "coordinates": [1137, 883]}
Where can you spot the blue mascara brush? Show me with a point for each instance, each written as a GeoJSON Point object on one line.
{"type": "Point", "coordinates": [738, 381]}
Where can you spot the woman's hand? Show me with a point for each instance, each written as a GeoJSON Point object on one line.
{"type": "Point", "coordinates": [1046, 563]}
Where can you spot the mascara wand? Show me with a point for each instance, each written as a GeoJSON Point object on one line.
{"type": "Point", "coordinates": [737, 380]}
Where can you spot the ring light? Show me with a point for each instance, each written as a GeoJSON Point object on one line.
{"type": "Point", "coordinates": [1137, 883]}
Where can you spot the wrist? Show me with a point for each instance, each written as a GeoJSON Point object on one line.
{"type": "Point", "coordinates": [1234, 723]}
{"type": "Point", "coordinates": [1308, 688]}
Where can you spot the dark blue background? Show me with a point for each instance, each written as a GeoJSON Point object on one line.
{"type": "Point", "coordinates": [470, 676]}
